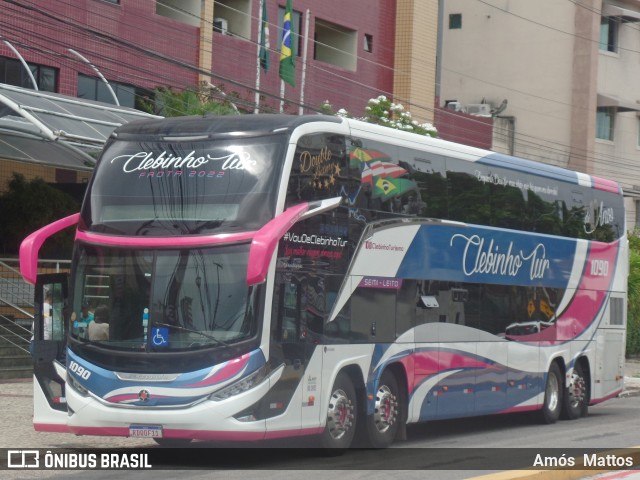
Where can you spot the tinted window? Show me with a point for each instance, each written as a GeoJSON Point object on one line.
{"type": "Point", "coordinates": [319, 169]}
{"type": "Point", "coordinates": [399, 181]}
{"type": "Point", "coordinates": [189, 187]}
{"type": "Point", "coordinates": [503, 310]}
{"type": "Point", "coordinates": [198, 298]}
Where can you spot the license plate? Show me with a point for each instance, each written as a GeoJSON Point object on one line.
{"type": "Point", "coordinates": [145, 431]}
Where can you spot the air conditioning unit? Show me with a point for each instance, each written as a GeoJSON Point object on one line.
{"type": "Point", "coordinates": [221, 25]}
{"type": "Point", "coordinates": [480, 109]}
{"type": "Point", "coordinates": [455, 106]}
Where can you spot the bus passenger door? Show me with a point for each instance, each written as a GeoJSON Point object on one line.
{"type": "Point", "coordinates": [49, 350]}
{"type": "Point", "coordinates": [294, 338]}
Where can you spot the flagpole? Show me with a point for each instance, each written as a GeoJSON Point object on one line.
{"type": "Point", "coordinates": [287, 53]}
{"type": "Point", "coordinates": [257, 97]}
{"type": "Point", "coordinates": [281, 96]}
{"type": "Point", "coordinates": [304, 61]}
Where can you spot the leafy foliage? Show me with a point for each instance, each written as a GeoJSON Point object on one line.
{"type": "Point", "coordinates": [194, 101]}
{"type": "Point", "coordinates": [633, 312]}
{"type": "Point", "coordinates": [383, 111]}
{"type": "Point", "coordinates": [29, 205]}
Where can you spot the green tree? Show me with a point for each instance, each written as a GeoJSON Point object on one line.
{"type": "Point", "coordinates": [29, 205]}
{"type": "Point", "coordinates": [169, 102]}
{"type": "Point", "coordinates": [633, 295]}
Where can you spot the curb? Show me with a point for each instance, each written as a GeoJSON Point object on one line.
{"type": "Point", "coordinates": [631, 387]}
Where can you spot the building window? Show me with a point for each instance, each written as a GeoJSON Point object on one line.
{"type": "Point", "coordinates": [12, 72]}
{"type": "Point", "coordinates": [609, 34]}
{"type": "Point", "coordinates": [185, 12]}
{"type": "Point", "coordinates": [335, 45]}
{"type": "Point", "coordinates": [605, 123]}
{"type": "Point", "coordinates": [455, 21]}
{"type": "Point", "coordinates": [92, 88]}
{"type": "Point", "coordinates": [232, 17]}
{"type": "Point", "coordinates": [368, 43]}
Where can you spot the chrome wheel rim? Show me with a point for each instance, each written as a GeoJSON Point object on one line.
{"type": "Point", "coordinates": [576, 390]}
{"type": "Point", "coordinates": [340, 414]}
{"type": "Point", "coordinates": [385, 410]}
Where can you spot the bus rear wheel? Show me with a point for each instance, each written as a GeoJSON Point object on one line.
{"type": "Point", "coordinates": [576, 396]}
{"type": "Point", "coordinates": [342, 413]}
{"type": "Point", "coordinates": [552, 395]}
{"type": "Point", "coordinates": [382, 426]}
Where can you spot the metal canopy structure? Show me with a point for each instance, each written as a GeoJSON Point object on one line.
{"type": "Point", "coordinates": [620, 104]}
{"type": "Point", "coordinates": [57, 130]}
{"type": "Point", "coordinates": [21, 141]}
{"type": "Point", "coordinates": [624, 14]}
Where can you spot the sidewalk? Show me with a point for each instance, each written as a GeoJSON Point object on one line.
{"type": "Point", "coordinates": [16, 404]}
{"type": "Point", "coordinates": [631, 377]}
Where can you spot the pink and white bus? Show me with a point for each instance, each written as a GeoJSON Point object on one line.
{"type": "Point", "coordinates": [268, 276]}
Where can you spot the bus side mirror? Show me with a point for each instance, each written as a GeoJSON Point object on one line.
{"type": "Point", "coordinates": [30, 246]}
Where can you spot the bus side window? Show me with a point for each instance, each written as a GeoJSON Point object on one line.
{"type": "Point", "coordinates": [319, 169]}
{"type": "Point", "coordinates": [53, 313]}
{"type": "Point", "coordinates": [405, 307]}
{"type": "Point", "coordinates": [290, 311]}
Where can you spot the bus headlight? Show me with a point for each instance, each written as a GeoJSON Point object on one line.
{"type": "Point", "coordinates": [77, 386]}
{"type": "Point", "coordinates": [241, 385]}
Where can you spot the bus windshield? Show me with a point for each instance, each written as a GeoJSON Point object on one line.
{"type": "Point", "coordinates": [159, 188]}
{"type": "Point", "coordinates": [198, 298]}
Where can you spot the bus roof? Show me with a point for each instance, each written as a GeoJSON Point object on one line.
{"type": "Point", "coordinates": [487, 157]}
{"type": "Point", "coordinates": [211, 125]}
{"type": "Point", "coordinates": [262, 124]}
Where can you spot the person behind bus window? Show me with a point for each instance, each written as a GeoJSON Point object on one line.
{"type": "Point", "coordinates": [99, 328]}
{"type": "Point", "coordinates": [46, 313]}
{"type": "Point", "coordinates": [82, 321]}
{"type": "Point", "coordinates": [85, 315]}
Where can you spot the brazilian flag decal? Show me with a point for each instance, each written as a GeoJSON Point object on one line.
{"type": "Point", "coordinates": [359, 156]}
{"type": "Point", "coordinates": [388, 187]}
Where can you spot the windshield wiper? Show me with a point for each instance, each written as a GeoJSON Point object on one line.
{"type": "Point", "coordinates": [190, 330]}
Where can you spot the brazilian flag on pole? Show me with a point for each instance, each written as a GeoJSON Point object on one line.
{"type": "Point", "coordinates": [287, 49]}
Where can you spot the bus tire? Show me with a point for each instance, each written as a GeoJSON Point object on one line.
{"type": "Point", "coordinates": [576, 396]}
{"type": "Point", "coordinates": [383, 424]}
{"type": "Point", "coordinates": [342, 414]}
{"type": "Point", "coordinates": [553, 389]}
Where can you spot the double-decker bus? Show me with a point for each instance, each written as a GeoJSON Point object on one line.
{"type": "Point", "coordinates": [268, 276]}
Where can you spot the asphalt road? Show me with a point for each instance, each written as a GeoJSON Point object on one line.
{"type": "Point", "coordinates": [454, 449]}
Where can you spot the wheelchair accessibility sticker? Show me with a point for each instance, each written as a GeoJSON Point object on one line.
{"type": "Point", "coordinates": [160, 336]}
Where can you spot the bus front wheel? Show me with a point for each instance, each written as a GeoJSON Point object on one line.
{"type": "Point", "coordinates": [576, 396]}
{"type": "Point", "coordinates": [342, 413]}
{"type": "Point", "coordinates": [382, 426]}
{"type": "Point", "coordinates": [552, 395]}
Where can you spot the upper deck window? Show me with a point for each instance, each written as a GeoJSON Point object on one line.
{"type": "Point", "coordinates": [158, 188]}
